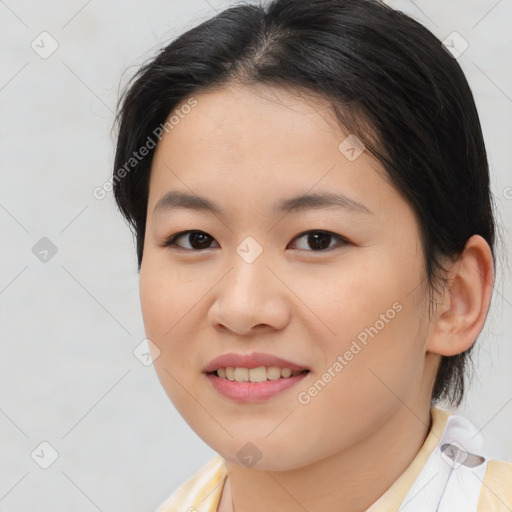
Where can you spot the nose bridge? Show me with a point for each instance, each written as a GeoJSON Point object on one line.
{"type": "Point", "coordinates": [249, 275]}
{"type": "Point", "coordinates": [249, 295]}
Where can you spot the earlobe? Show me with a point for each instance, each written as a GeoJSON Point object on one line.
{"type": "Point", "coordinates": [463, 307]}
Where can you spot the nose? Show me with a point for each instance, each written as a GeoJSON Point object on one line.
{"type": "Point", "coordinates": [250, 299]}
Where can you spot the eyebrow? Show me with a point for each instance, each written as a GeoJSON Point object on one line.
{"type": "Point", "coordinates": [319, 200]}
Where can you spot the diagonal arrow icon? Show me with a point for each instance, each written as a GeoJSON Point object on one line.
{"type": "Point", "coordinates": [249, 249]}
{"type": "Point", "coordinates": [44, 455]}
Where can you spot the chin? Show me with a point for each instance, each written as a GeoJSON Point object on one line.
{"type": "Point", "coordinates": [264, 456]}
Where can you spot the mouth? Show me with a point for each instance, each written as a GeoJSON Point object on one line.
{"type": "Point", "coordinates": [252, 377]}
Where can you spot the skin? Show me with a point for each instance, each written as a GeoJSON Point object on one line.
{"type": "Point", "coordinates": [246, 148]}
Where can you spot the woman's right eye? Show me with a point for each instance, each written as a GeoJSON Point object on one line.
{"type": "Point", "coordinates": [197, 240]}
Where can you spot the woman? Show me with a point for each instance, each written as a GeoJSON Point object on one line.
{"type": "Point", "coordinates": [309, 190]}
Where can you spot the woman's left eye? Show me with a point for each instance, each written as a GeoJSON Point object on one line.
{"type": "Point", "coordinates": [318, 240]}
{"type": "Point", "coordinates": [321, 240]}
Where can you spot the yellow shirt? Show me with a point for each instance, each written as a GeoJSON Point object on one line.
{"type": "Point", "coordinates": [491, 486]}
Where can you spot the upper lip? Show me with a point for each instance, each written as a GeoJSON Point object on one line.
{"type": "Point", "coordinates": [253, 360]}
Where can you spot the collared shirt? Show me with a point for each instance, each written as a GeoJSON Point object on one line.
{"type": "Point", "coordinates": [450, 473]}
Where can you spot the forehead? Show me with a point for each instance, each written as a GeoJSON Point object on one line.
{"type": "Point", "coordinates": [261, 142]}
{"type": "Point", "coordinates": [241, 125]}
{"type": "Point", "coordinates": [234, 101]}
{"type": "Point", "coordinates": [256, 118]}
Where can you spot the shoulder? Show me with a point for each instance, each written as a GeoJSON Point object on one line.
{"type": "Point", "coordinates": [457, 475]}
{"type": "Point", "coordinates": [201, 492]}
{"type": "Point", "coordinates": [493, 477]}
{"type": "Point", "coordinates": [487, 480]}
{"type": "Point", "coordinates": [496, 491]}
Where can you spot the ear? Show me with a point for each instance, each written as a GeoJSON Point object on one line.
{"type": "Point", "coordinates": [463, 305]}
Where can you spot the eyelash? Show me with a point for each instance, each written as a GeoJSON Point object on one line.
{"type": "Point", "coordinates": [170, 242]}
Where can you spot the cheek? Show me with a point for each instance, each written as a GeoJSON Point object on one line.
{"type": "Point", "coordinates": [348, 399]}
{"type": "Point", "coordinates": [364, 299]}
{"type": "Point", "coordinates": [172, 311]}
{"type": "Point", "coordinates": [154, 303]}
{"type": "Point", "coordinates": [166, 296]}
{"type": "Point", "coordinates": [380, 328]}
{"type": "Point", "coordinates": [161, 311]}
{"type": "Point", "coordinates": [383, 364]}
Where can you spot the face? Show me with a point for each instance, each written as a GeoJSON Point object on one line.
{"type": "Point", "coordinates": [336, 288]}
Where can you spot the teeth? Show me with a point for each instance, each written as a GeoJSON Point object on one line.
{"type": "Point", "coordinates": [241, 374]}
{"type": "Point", "coordinates": [259, 374]}
{"type": "Point", "coordinates": [273, 373]}
{"type": "Point", "coordinates": [286, 372]}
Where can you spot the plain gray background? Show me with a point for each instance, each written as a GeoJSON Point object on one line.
{"type": "Point", "coordinates": [70, 324]}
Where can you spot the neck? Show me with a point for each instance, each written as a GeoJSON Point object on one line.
{"type": "Point", "coordinates": [351, 480]}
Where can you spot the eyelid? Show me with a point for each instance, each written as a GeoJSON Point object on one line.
{"type": "Point", "coordinates": [342, 241]}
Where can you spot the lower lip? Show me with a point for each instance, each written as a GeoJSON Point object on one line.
{"type": "Point", "coordinates": [253, 391]}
